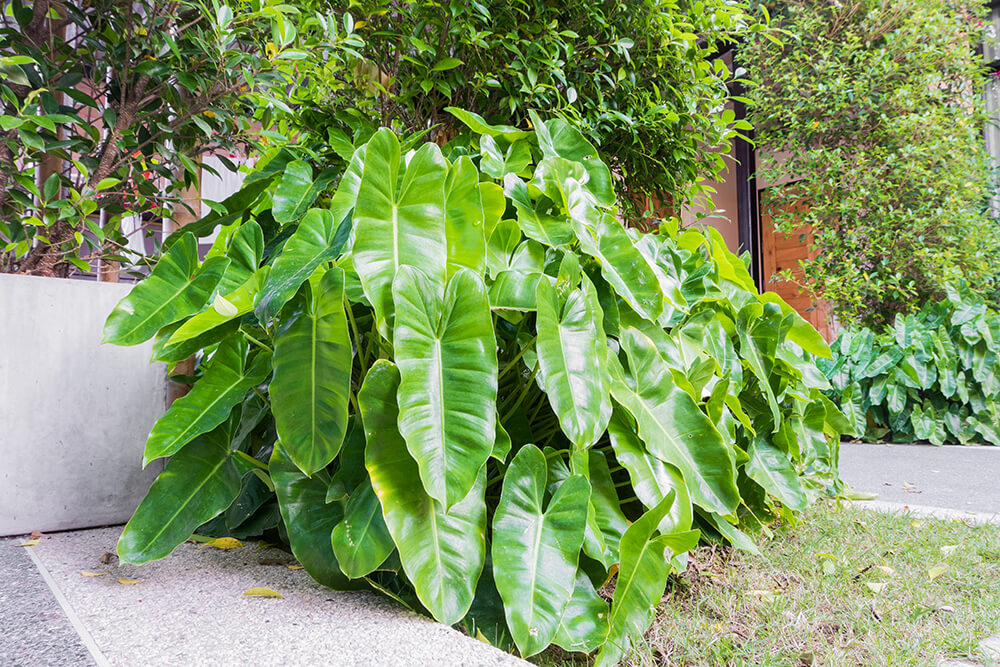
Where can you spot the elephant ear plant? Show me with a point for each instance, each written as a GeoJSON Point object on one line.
{"type": "Point", "coordinates": [462, 382]}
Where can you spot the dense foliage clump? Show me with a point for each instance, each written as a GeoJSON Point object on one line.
{"type": "Point", "coordinates": [932, 376]}
{"type": "Point", "coordinates": [640, 80]}
{"type": "Point", "coordinates": [871, 111]}
{"type": "Point", "coordinates": [461, 381]}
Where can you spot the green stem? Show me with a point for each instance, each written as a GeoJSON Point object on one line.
{"type": "Point", "coordinates": [516, 358]}
{"type": "Point", "coordinates": [255, 341]}
{"type": "Point", "coordinates": [262, 396]}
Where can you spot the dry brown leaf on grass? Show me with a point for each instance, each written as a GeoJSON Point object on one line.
{"type": "Point", "coordinates": [29, 543]}
{"type": "Point", "coordinates": [88, 573]}
{"type": "Point", "coordinates": [223, 543]}
{"type": "Point", "coordinates": [128, 582]}
{"type": "Point", "coordinates": [260, 592]}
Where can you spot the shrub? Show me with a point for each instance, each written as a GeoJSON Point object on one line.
{"type": "Point", "coordinates": [873, 111]}
{"type": "Point", "coordinates": [471, 388]}
{"type": "Point", "coordinates": [932, 376]}
{"type": "Point", "coordinates": [638, 79]}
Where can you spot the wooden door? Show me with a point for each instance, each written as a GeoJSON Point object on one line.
{"type": "Point", "coordinates": [784, 251]}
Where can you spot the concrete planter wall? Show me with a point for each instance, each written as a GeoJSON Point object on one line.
{"type": "Point", "coordinates": [74, 414]}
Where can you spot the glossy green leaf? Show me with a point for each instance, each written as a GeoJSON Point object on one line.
{"type": "Point", "coordinates": [241, 300]}
{"type": "Point", "coordinates": [652, 479]}
{"type": "Point", "coordinates": [672, 426]}
{"type": "Point", "coordinates": [227, 379]}
{"type": "Point", "coordinates": [442, 552]}
{"type": "Point", "coordinates": [361, 541]}
{"type": "Point", "coordinates": [309, 520]}
{"type": "Point", "coordinates": [319, 238]}
{"type": "Point", "coordinates": [176, 288]}
{"type": "Point", "coordinates": [446, 352]}
{"type": "Point", "coordinates": [399, 222]}
{"type": "Point", "coordinates": [572, 353]}
{"type": "Point", "coordinates": [311, 388]}
{"type": "Point", "coordinates": [557, 138]}
{"type": "Point", "coordinates": [244, 250]}
{"type": "Point", "coordinates": [584, 624]}
{"type": "Point", "coordinates": [477, 124]}
{"type": "Point", "coordinates": [297, 190]}
{"type": "Point", "coordinates": [199, 482]}
{"type": "Point", "coordinates": [642, 576]}
{"type": "Point", "coordinates": [464, 218]}
{"type": "Point", "coordinates": [622, 265]}
{"type": "Point", "coordinates": [770, 467]}
{"type": "Point", "coordinates": [538, 220]}
{"type": "Point", "coordinates": [536, 548]}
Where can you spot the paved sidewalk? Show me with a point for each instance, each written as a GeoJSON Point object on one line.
{"type": "Point", "coordinates": [949, 481]}
{"type": "Point", "coordinates": [188, 609]}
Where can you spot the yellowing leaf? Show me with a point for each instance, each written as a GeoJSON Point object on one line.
{"type": "Point", "coordinates": [830, 556]}
{"type": "Point", "coordinates": [128, 582]}
{"type": "Point", "coordinates": [29, 543]}
{"type": "Point", "coordinates": [876, 586]}
{"type": "Point", "coordinates": [294, 567]}
{"type": "Point", "coordinates": [885, 569]}
{"type": "Point", "coordinates": [223, 543]}
{"type": "Point", "coordinates": [263, 593]}
{"type": "Point", "coordinates": [937, 571]}
{"type": "Point", "coordinates": [263, 545]}
{"type": "Point", "coordinates": [224, 307]}
{"type": "Point", "coordinates": [481, 637]}
{"type": "Point", "coordinates": [86, 573]}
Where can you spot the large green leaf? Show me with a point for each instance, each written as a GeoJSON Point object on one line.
{"type": "Point", "coordinates": [673, 427]}
{"type": "Point", "coordinates": [584, 624]}
{"type": "Point", "coordinates": [770, 467]}
{"type": "Point", "coordinates": [312, 374]}
{"type": "Point", "coordinates": [464, 218]}
{"type": "Point", "coordinates": [536, 548]}
{"type": "Point", "coordinates": [176, 288]}
{"type": "Point", "coordinates": [399, 222]}
{"type": "Point", "coordinates": [244, 250]}
{"type": "Point", "coordinates": [226, 381]}
{"type": "Point", "coordinates": [652, 479]}
{"type": "Point", "coordinates": [602, 237]}
{"type": "Point", "coordinates": [642, 576]}
{"type": "Point", "coordinates": [478, 124]}
{"type": "Point", "coordinates": [318, 238]}
{"type": "Point", "coordinates": [199, 482]}
{"type": "Point", "coordinates": [224, 309]}
{"type": "Point", "coordinates": [361, 541]}
{"type": "Point", "coordinates": [540, 221]}
{"type": "Point", "coordinates": [442, 552]}
{"type": "Point", "coordinates": [297, 190]}
{"type": "Point", "coordinates": [572, 354]}
{"type": "Point", "coordinates": [446, 351]}
{"type": "Point", "coordinates": [557, 138]}
{"type": "Point", "coordinates": [309, 520]}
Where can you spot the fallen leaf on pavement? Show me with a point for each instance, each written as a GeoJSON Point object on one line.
{"type": "Point", "coordinates": [29, 543]}
{"type": "Point", "coordinates": [263, 593]}
{"type": "Point", "coordinates": [128, 582]}
{"type": "Point", "coordinates": [37, 534]}
{"type": "Point", "coordinates": [294, 567]}
{"type": "Point", "coordinates": [106, 558]}
{"type": "Point", "coordinates": [223, 543]}
{"type": "Point", "coordinates": [87, 573]}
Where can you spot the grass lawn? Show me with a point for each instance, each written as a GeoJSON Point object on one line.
{"type": "Point", "coordinates": [844, 587]}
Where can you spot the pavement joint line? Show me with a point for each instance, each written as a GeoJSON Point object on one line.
{"type": "Point", "coordinates": [978, 518]}
{"type": "Point", "coordinates": [74, 620]}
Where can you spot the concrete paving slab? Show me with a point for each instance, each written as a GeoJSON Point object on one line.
{"type": "Point", "coordinates": [965, 479]}
{"type": "Point", "coordinates": [189, 609]}
{"type": "Point", "coordinates": [36, 630]}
